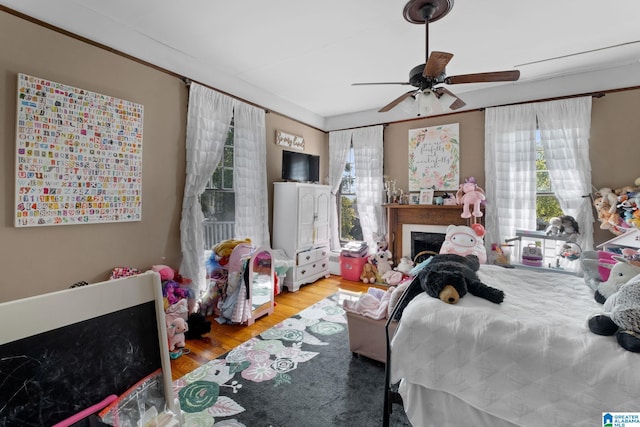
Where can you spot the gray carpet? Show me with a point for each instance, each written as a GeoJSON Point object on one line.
{"type": "Point", "coordinates": [299, 373]}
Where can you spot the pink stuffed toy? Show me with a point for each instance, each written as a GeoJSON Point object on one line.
{"type": "Point", "coordinates": [463, 240]}
{"type": "Point", "coordinates": [470, 194]}
{"type": "Point", "coordinates": [166, 272]}
{"type": "Point", "coordinates": [175, 331]}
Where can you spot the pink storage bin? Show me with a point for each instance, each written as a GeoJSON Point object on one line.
{"type": "Point", "coordinates": [351, 268]}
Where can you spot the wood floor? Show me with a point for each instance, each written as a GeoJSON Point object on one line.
{"type": "Point", "coordinates": [223, 338]}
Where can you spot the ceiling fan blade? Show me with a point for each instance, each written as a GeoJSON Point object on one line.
{"type": "Point", "coordinates": [458, 103]}
{"type": "Point", "coordinates": [436, 63]}
{"type": "Point", "coordinates": [396, 101]}
{"type": "Point", "coordinates": [497, 76]}
{"type": "Point", "coordinates": [380, 83]}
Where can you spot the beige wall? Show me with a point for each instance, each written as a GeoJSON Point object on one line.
{"type": "Point", "coordinates": [396, 146]}
{"type": "Point", "coordinates": [315, 142]}
{"type": "Point", "coordinates": [44, 259]}
{"type": "Point", "coordinates": [41, 259]}
{"type": "Point", "coordinates": [614, 144]}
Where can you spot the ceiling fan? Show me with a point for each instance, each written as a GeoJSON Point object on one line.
{"type": "Point", "coordinates": [426, 77]}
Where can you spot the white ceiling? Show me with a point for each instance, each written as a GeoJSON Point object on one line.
{"type": "Point", "coordinates": [299, 58]}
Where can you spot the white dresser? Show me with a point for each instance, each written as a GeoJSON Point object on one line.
{"type": "Point", "coordinates": [301, 229]}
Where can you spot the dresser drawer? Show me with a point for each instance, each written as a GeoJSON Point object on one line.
{"type": "Point", "coordinates": [312, 269]}
{"type": "Point", "coordinates": [313, 255]}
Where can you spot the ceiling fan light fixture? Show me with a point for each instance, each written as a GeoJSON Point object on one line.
{"type": "Point", "coordinates": [427, 103]}
{"type": "Point", "coordinates": [408, 105]}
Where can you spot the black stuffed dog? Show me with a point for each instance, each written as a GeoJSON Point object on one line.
{"type": "Point", "coordinates": [450, 276]}
{"type": "Point", "coordinates": [198, 326]}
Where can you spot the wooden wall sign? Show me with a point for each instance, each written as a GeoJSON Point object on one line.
{"type": "Point", "coordinates": [288, 140]}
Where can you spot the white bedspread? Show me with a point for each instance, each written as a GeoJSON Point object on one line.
{"type": "Point", "coordinates": [531, 360]}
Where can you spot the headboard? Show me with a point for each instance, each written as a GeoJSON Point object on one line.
{"type": "Point", "coordinates": [65, 351]}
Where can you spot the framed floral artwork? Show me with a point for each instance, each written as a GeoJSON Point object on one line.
{"type": "Point", "coordinates": [434, 158]}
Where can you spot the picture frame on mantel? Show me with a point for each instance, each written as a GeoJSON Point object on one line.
{"type": "Point", "coordinates": [414, 198]}
{"type": "Point", "coordinates": [289, 140]}
{"type": "Point", "coordinates": [426, 196]}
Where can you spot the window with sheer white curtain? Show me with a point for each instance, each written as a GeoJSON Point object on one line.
{"type": "Point", "coordinates": [368, 161]}
{"type": "Point", "coordinates": [510, 165]}
{"type": "Point", "coordinates": [208, 120]}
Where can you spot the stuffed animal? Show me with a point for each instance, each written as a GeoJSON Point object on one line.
{"type": "Point", "coordinates": [173, 292]}
{"type": "Point", "coordinates": [621, 272]}
{"type": "Point", "coordinates": [469, 194]}
{"type": "Point", "coordinates": [383, 262]}
{"type": "Point", "coordinates": [175, 330]}
{"type": "Point", "coordinates": [621, 317]}
{"type": "Point", "coordinates": [392, 277]}
{"type": "Point", "coordinates": [197, 325]}
{"type": "Point", "coordinates": [609, 197]}
{"type": "Point", "coordinates": [602, 208]}
{"type": "Point", "coordinates": [555, 226]}
{"type": "Point", "coordinates": [596, 266]}
{"type": "Point", "coordinates": [381, 242]}
{"type": "Point", "coordinates": [368, 274]}
{"type": "Point", "coordinates": [569, 228]}
{"type": "Point", "coordinates": [405, 265]}
{"type": "Point", "coordinates": [449, 277]}
{"type": "Point", "coordinates": [463, 240]}
{"type": "Point", "coordinates": [223, 249]}
{"type": "Point", "coordinates": [165, 272]}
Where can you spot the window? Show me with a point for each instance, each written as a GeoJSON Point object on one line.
{"type": "Point", "coordinates": [349, 221]}
{"type": "Point", "coordinates": [547, 205]}
{"type": "Point", "coordinates": [218, 200]}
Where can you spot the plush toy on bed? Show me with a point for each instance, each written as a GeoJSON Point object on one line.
{"type": "Point", "coordinates": [449, 277]}
{"type": "Point", "coordinates": [463, 240]}
{"type": "Point", "coordinates": [621, 272]}
{"type": "Point", "coordinates": [621, 317]}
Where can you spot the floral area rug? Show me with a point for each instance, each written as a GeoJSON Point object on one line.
{"type": "Point", "coordinates": [298, 373]}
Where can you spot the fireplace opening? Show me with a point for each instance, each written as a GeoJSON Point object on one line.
{"type": "Point", "coordinates": [425, 241]}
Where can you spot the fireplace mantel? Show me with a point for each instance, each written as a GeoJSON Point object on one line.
{"type": "Point", "coordinates": [398, 215]}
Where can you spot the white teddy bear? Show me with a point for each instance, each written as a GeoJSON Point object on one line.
{"type": "Point", "coordinates": [383, 262]}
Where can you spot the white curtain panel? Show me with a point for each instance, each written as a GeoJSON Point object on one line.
{"type": "Point", "coordinates": [564, 130]}
{"type": "Point", "coordinates": [250, 174]}
{"type": "Point", "coordinates": [509, 171]}
{"type": "Point", "coordinates": [208, 118]}
{"type": "Point", "coordinates": [339, 145]}
{"type": "Point", "coordinates": [369, 155]}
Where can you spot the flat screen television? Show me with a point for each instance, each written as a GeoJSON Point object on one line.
{"type": "Point", "coordinates": [300, 167]}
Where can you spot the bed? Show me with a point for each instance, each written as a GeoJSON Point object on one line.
{"type": "Point", "coordinates": [530, 361]}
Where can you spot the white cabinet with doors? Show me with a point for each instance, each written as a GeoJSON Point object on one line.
{"type": "Point", "coordinates": [301, 229]}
